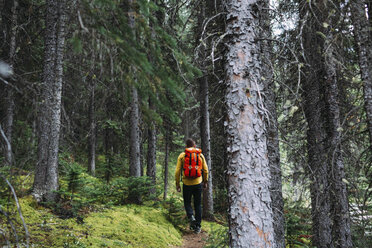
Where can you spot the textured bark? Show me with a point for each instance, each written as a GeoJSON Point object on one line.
{"type": "Point", "coordinates": [331, 222]}
{"type": "Point", "coordinates": [109, 149]}
{"type": "Point", "coordinates": [135, 163]}
{"type": "Point", "coordinates": [91, 113]}
{"type": "Point", "coordinates": [363, 38]}
{"type": "Point", "coordinates": [338, 194]}
{"type": "Point", "coordinates": [142, 163]}
{"type": "Point", "coordinates": [46, 171]}
{"type": "Point", "coordinates": [205, 132]}
{"type": "Point", "coordinates": [369, 6]}
{"type": "Point", "coordinates": [250, 213]}
{"type": "Point", "coordinates": [8, 125]}
{"type": "Point", "coordinates": [316, 134]}
{"type": "Point", "coordinates": [277, 202]}
{"type": "Point", "coordinates": [205, 135]}
{"type": "Point", "coordinates": [135, 159]}
{"type": "Point", "coordinates": [151, 152]}
{"type": "Point", "coordinates": [9, 18]}
{"type": "Point", "coordinates": [92, 131]}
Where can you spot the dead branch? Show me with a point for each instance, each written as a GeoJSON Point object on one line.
{"type": "Point", "coordinates": [19, 210]}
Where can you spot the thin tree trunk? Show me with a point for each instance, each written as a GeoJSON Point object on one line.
{"type": "Point", "coordinates": [108, 148]}
{"type": "Point", "coordinates": [151, 149]}
{"type": "Point", "coordinates": [166, 169]}
{"type": "Point", "coordinates": [363, 38]}
{"type": "Point", "coordinates": [9, 18]}
{"type": "Point", "coordinates": [91, 115]}
{"type": "Point", "coordinates": [250, 213]}
{"type": "Point", "coordinates": [135, 159]}
{"type": "Point", "coordinates": [186, 124]}
{"type": "Point", "coordinates": [205, 133]}
{"type": "Point", "coordinates": [46, 171]}
{"type": "Point", "coordinates": [135, 163]}
{"type": "Point", "coordinates": [142, 163]}
{"type": "Point", "coordinates": [92, 131]}
{"type": "Point", "coordinates": [151, 152]}
{"type": "Point", "coordinates": [9, 119]}
{"type": "Point", "coordinates": [206, 146]}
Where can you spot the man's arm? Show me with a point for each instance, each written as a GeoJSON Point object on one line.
{"type": "Point", "coordinates": [205, 172]}
{"type": "Point", "coordinates": [178, 172]}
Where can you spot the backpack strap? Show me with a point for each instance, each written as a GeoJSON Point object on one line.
{"type": "Point", "coordinates": [190, 164]}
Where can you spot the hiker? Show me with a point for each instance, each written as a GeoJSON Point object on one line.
{"type": "Point", "coordinates": [194, 170]}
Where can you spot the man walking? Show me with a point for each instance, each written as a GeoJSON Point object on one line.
{"type": "Point", "coordinates": [194, 170]}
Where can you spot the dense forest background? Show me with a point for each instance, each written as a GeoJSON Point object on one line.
{"type": "Point", "coordinates": [97, 98]}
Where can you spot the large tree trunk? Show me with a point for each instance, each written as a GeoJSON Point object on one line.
{"type": "Point", "coordinates": [331, 222]}
{"type": "Point", "coordinates": [46, 172]}
{"type": "Point", "coordinates": [151, 153]}
{"type": "Point", "coordinates": [338, 194]}
{"type": "Point", "coordinates": [363, 38]}
{"type": "Point", "coordinates": [277, 202]}
{"type": "Point", "coordinates": [316, 134]}
{"type": "Point", "coordinates": [9, 18]}
{"type": "Point", "coordinates": [250, 213]}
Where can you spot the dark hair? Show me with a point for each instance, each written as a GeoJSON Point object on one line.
{"type": "Point", "coordinates": [190, 143]}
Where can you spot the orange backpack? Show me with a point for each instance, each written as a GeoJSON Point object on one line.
{"type": "Point", "coordinates": [193, 163]}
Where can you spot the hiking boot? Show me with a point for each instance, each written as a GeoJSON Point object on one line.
{"type": "Point", "coordinates": [197, 229]}
{"type": "Point", "coordinates": [193, 223]}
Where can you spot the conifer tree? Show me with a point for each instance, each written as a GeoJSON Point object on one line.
{"type": "Point", "coordinates": [135, 163]}
{"type": "Point", "coordinates": [10, 20]}
{"type": "Point", "coordinates": [250, 212]}
{"type": "Point", "coordinates": [49, 116]}
{"type": "Point", "coordinates": [363, 40]}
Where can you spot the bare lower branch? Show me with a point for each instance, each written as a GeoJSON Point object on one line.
{"type": "Point", "coordinates": [9, 146]}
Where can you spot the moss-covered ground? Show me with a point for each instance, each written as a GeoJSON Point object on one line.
{"type": "Point", "coordinates": [121, 226]}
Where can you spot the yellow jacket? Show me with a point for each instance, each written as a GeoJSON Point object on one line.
{"type": "Point", "coordinates": [186, 180]}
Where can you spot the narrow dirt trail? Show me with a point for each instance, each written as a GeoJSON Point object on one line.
{"type": "Point", "coordinates": [192, 240]}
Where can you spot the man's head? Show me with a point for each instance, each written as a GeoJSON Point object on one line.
{"type": "Point", "coordinates": [190, 143]}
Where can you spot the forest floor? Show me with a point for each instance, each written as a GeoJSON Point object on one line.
{"type": "Point", "coordinates": [192, 240]}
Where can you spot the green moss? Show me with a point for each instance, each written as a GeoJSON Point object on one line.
{"type": "Point", "coordinates": [134, 226]}
{"type": "Point", "coordinates": [217, 234]}
{"type": "Point", "coordinates": [125, 226]}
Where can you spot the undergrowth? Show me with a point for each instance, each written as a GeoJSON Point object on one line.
{"type": "Point", "coordinates": [92, 212]}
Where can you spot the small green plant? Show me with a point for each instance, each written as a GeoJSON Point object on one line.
{"type": "Point", "coordinates": [176, 212]}
{"type": "Point", "coordinates": [218, 237]}
{"type": "Point", "coordinates": [130, 190]}
{"type": "Point", "coordinates": [298, 225]}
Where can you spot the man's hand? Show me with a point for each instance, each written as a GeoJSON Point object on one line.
{"type": "Point", "coordinates": [205, 185]}
{"type": "Point", "coordinates": [178, 189]}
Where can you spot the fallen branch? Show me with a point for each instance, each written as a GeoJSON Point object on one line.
{"type": "Point", "coordinates": [19, 210]}
{"type": "Point", "coordinates": [11, 225]}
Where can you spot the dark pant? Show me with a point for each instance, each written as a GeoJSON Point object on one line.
{"type": "Point", "coordinates": [196, 192]}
